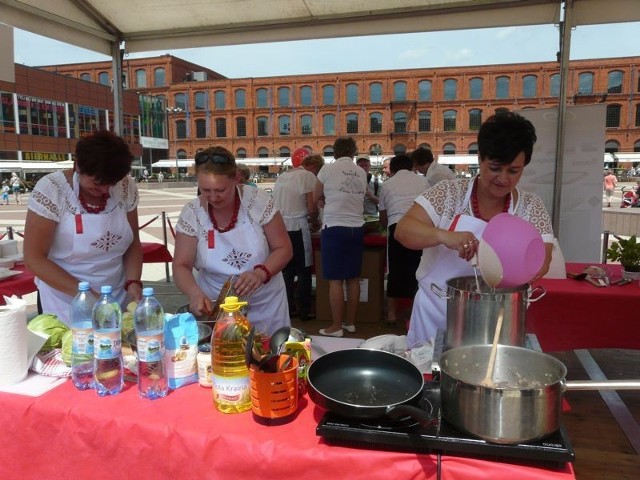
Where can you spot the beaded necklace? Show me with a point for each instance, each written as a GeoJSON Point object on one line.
{"type": "Point", "coordinates": [94, 208]}
{"type": "Point", "coordinates": [475, 207]}
{"type": "Point", "coordinates": [234, 219]}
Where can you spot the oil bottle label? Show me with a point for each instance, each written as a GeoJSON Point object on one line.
{"type": "Point", "coordinates": [231, 391]}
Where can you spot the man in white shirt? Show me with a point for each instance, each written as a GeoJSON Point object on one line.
{"type": "Point", "coordinates": [423, 163]}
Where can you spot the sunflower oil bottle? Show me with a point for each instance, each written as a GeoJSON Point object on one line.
{"type": "Point", "coordinates": [230, 375]}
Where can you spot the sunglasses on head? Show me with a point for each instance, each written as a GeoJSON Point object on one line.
{"type": "Point", "coordinates": [215, 158]}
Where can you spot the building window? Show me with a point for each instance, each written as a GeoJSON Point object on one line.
{"type": "Point", "coordinates": [375, 122]}
{"type": "Point", "coordinates": [399, 149]}
{"type": "Point", "coordinates": [306, 97]}
{"type": "Point", "coordinates": [180, 101]}
{"type": "Point", "coordinates": [530, 86]}
{"type": "Point", "coordinates": [473, 149]}
{"type": "Point", "coordinates": [329, 124]}
{"type": "Point", "coordinates": [141, 78]}
{"type": "Point", "coordinates": [87, 77]}
{"type": "Point", "coordinates": [328, 95]}
{"type": "Point", "coordinates": [352, 94]}
{"type": "Point", "coordinates": [103, 78]}
{"type": "Point", "coordinates": [181, 154]}
{"type": "Point", "coordinates": [449, 149]}
{"type": "Point", "coordinates": [158, 77]}
{"type": "Point", "coordinates": [181, 129]}
{"type": "Point", "coordinates": [263, 126]}
{"type": "Point", "coordinates": [475, 88]}
{"type": "Point", "coordinates": [285, 152]}
{"type": "Point", "coordinates": [475, 119]}
{"type": "Point", "coordinates": [306, 124]}
{"type": "Point", "coordinates": [636, 146]}
{"type": "Point", "coordinates": [424, 121]}
{"type": "Point", "coordinates": [284, 124]}
{"type": "Point", "coordinates": [262, 98]}
{"type": "Point", "coordinates": [585, 83]}
{"type": "Point", "coordinates": [263, 152]}
{"type": "Point", "coordinates": [502, 87]}
{"type": "Point", "coordinates": [221, 127]}
{"type": "Point", "coordinates": [240, 98]}
{"type": "Point", "coordinates": [449, 117]}
{"type": "Point", "coordinates": [375, 92]}
{"type": "Point", "coordinates": [638, 115]}
{"type": "Point", "coordinates": [613, 116]}
{"type": "Point", "coordinates": [424, 90]}
{"type": "Point", "coordinates": [450, 89]}
{"type": "Point", "coordinates": [201, 128]}
{"type": "Point", "coordinates": [241, 127]}
{"type": "Point", "coordinates": [284, 97]}
{"type": "Point", "coordinates": [241, 153]}
{"type": "Point", "coordinates": [328, 151]}
{"type": "Point", "coordinates": [352, 123]}
{"type": "Point", "coordinates": [554, 87]}
{"type": "Point", "coordinates": [400, 91]}
{"type": "Point", "coordinates": [201, 100]}
{"type": "Point", "coordinates": [614, 82]}
{"type": "Point", "coordinates": [400, 122]}
{"type": "Point", "coordinates": [7, 115]}
{"type": "Point", "coordinates": [220, 100]}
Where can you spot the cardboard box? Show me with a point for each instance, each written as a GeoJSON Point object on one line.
{"type": "Point", "coordinates": [371, 306]}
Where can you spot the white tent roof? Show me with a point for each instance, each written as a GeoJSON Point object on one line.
{"type": "Point", "coordinates": [151, 25]}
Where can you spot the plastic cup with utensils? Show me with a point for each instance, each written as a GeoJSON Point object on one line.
{"type": "Point", "coordinates": [511, 251]}
{"type": "Point", "coordinates": [274, 396]}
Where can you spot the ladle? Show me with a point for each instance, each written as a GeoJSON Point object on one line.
{"type": "Point", "coordinates": [488, 378]}
{"type": "Point", "coordinates": [278, 340]}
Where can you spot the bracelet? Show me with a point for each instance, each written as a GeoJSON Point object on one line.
{"type": "Point", "coordinates": [265, 270]}
{"type": "Point", "coordinates": [128, 283]}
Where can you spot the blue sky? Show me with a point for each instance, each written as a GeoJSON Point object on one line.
{"type": "Point", "coordinates": [378, 52]}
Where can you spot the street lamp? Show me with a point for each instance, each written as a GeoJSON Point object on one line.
{"type": "Point", "coordinates": [173, 111]}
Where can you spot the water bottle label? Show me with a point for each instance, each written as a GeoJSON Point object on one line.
{"type": "Point", "coordinates": [82, 341]}
{"type": "Point", "coordinates": [231, 391]}
{"type": "Point", "coordinates": [151, 348]}
{"type": "Point", "coordinates": [107, 345]}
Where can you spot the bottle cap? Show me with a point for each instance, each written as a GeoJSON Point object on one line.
{"type": "Point", "coordinates": [84, 286]}
{"type": "Point", "coordinates": [232, 304]}
{"type": "Point", "coordinates": [147, 292]}
{"type": "Point", "coordinates": [106, 289]}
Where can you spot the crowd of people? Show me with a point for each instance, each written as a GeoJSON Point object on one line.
{"type": "Point", "coordinates": [82, 224]}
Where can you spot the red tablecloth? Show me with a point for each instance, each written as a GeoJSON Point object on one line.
{"type": "Point", "coordinates": [72, 434]}
{"type": "Point", "coordinates": [21, 284]}
{"type": "Point", "coordinates": [575, 314]}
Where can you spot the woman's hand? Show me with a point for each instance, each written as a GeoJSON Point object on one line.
{"type": "Point", "coordinates": [465, 243]}
{"type": "Point", "coordinates": [200, 304]}
{"type": "Point", "coordinates": [248, 282]}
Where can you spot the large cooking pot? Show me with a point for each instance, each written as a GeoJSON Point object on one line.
{"type": "Point", "coordinates": [363, 383]}
{"type": "Point", "coordinates": [524, 402]}
{"type": "Point", "coordinates": [472, 313]}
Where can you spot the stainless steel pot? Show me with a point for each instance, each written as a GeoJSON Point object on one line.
{"type": "Point", "coordinates": [472, 314]}
{"type": "Point", "coordinates": [523, 404]}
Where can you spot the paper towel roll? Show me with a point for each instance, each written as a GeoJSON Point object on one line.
{"type": "Point", "coordinates": [14, 365]}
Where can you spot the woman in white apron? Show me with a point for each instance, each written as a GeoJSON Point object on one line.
{"type": "Point", "coordinates": [232, 229]}
{"type": "Point", "coordinates": [447, 220]}
{"type": "Point", "coordinates": [82, 225]}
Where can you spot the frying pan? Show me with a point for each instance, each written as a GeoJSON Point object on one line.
{"type": "Point", "coordinates": [362, 383]}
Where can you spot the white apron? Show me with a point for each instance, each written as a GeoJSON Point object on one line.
{"type": "Point", "coordinates": [439, 264]}
{"type": "Point", "coordinates": [237, 251]}
{"type": "Point", "coordinates": [90, 247]}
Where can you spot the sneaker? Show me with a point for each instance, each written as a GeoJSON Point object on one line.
{"type": "Point", "coordinates": [349, 328]}
{"type": "Point", "coordinates": [337, 333]}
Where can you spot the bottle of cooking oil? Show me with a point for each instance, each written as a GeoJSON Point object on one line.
{"type": "Point", "coordinates": [230, 376]}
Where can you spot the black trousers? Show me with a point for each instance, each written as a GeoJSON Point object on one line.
{"type": "Point", "coordinates": [296, 268]}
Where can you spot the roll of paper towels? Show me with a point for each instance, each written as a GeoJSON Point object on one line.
{"type": "Point", "coordinates": [14, 356]}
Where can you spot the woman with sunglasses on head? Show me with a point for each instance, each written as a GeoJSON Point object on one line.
{"type": "Point", "coordinates": [232, 229]}
{"type": "Point", "coordinates": [82, 225]}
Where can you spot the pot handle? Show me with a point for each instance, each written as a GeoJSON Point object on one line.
{"type": "Point", "coordinates": [602, 385]}
{"type": "Point", "coordinates": [424, 418]}
{"type": "Point", "coordinates": [539, 291]}
{"type": "Point", "coordinates": [439, 291]}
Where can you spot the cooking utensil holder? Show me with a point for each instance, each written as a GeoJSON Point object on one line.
{"type": "Point", "coordinates": [274, 396]}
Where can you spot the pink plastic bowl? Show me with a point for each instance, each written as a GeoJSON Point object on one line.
{"type": "Point", "coordinates": [511, 251]}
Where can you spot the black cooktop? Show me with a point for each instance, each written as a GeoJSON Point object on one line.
{"type": "Point", "coordinates": [437, 436]}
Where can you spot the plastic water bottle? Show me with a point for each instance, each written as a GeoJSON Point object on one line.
{"type": "Point", "coordinates": [82, 329]}
{"type": "Point", "coordinates": [108, 372]}
{"type": "Point", "coordinates": [231, 391]}
{"type": "Point", "coordinates": [149, 325]}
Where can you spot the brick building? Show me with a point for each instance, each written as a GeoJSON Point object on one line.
{"type": "Point", "coordinates": [385, 111]}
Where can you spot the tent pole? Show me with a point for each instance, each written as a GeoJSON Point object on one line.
{"type": "Point", "coordinates": [116, 82]}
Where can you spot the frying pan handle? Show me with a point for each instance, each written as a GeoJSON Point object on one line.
{"type": "Point", "coordinates": [439, 291]}
{"type": "Point", "coordinates": [539, 291]}
{"type": "Point", "coordinates": [423, 417]}
{"type": "Point", "coordinates": [602, 385]}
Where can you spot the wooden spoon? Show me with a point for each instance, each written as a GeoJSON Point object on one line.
{"type": "Point", "coordinates": [488, 378]}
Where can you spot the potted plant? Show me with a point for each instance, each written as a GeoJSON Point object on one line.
{"type": "Point", "coordinates": [627, 252]}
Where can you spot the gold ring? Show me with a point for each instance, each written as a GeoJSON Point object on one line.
{"type": "Point", "coordinates": [465, 245]}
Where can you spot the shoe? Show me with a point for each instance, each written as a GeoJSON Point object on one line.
{"type": "Point", "coordinates": [349, 328]}
{"type": "Point", "coordinates": [337, 333]}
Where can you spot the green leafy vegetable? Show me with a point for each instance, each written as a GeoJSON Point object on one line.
{"type": "Point", "coordinates": [49, 324]}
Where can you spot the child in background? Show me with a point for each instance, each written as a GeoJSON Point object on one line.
{"type": "Point", "coordinates": [5, 193]}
